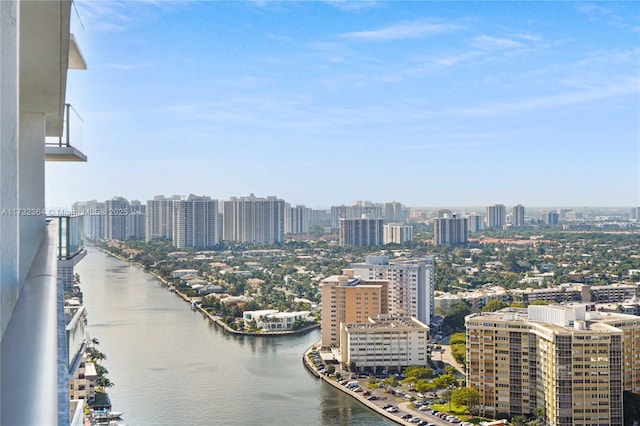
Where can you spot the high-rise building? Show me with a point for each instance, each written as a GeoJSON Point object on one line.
{"type": "Point", "coordinates": [495, 216]}
{"type": "Point", "coordinates": [94, 218]}
{"type": "Point", "coordinates": [571, 364]}
{"type": "Point", "coordinates": [36, 53]}
{"type": "Point", "coordinates": [411, 284]}
{"type": "Point", "coordinates": [634, 213]}
{"type": "Point", "coordinates": [347, 299]}
{"type": "Point", "coordinates": [445, 213]}
{"type": "Point", "coordinates": [195, 222]}
{"type": "Point", "coordinates": [117, 218]}
{"type": "Point", "coordinates": [517, 215]}
{"type": "Point", "coordinates": [296, 219]}
{"type": "Point", "coordinates": [550, 217]}
{"type": "Point", "coordinates": [159, 217]}
{"type": "Point", "coordinates": [319, 218]}
{"type": "Point", "coordinates": [474, 222]}
{"type": "Point", "coordinates": [361, 232]}
{"type": "Point", "coordinates": [451, 230]}
{"type": "Point", "coordinates": [393, 211]}
{"type": "Point", "coordinates": [358, 210]}
{"type": "Point", "coordinates": [396, 233]}
{"type": "Point", "coordinates": [254, 220]}
{"type": "Point", "coordinates": [137, 218]}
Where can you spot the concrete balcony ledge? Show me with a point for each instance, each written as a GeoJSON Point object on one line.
{"type": "Point", "coordinates": [29, 349]}
{"type": "Point", "coordinates": [63, 153]}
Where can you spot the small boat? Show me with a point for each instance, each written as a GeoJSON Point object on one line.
{"type": "Point", "coordinates": [106, 415]}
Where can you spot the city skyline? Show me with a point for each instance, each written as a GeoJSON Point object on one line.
{"type": "Point", "coordinates": [430, 104]}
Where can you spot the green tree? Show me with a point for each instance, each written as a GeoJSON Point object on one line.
{"type": "Point", "coordinates": [519, 421]}
{"type": "Point", "coordinates": [445, 381]}
{"type": "Point", "coordinates": [415, 372]}
{"type": "Point", "coordinates": [541, 302]}
{"type": "Point", "coordinates": [454, 318]}
{"type": "Point", "coordinates": [391, 381]}
{"type": "Point", "coordinates": [424, 386]}
{"type": "Point", "coordinates": [103, 382]}
{"type": "Point", "coordinates": [494, 305]}
{"type": "Point", "coordinates": [470, 397]}
{"type": "Point", "coordinates": [95, 355]}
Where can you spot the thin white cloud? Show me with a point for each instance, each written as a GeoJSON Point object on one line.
{"type": "Point", "coordinates": [349, 5]}
{"type": "Point", "coordinates": [622, 87]}
{"type": "Point", "coordinates": [616, 18]}
{"type": "Point", "coordinates": [407, 30]}
{"type": "Point", "coordinates": [118, 15]}
{"type": "Point", "coordinates": [486, 42]}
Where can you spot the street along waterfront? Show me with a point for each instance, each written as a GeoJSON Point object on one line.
{"type": "Point", "coordinates": [171, 366]}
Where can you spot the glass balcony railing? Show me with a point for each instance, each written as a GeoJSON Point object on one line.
{"type": "Point", "coordinates": [70, 231]}
{"type": "Point", "coordinates": [67, 147]}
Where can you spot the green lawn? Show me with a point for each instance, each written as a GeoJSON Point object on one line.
{"type": "Point", "coordinates": [459, 411]}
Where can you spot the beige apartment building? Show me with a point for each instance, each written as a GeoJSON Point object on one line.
{"type": "Point", "coordinates": [346, 299]}
{"type": "Point", "coordinates": [83, 384]}
{"type": "Point", "coordinates": [383, 344]}
{"type": "Point", "coordinates": [562, 361]}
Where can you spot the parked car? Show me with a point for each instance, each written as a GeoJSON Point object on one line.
{"type": "Point", "coordinates": [415, 420]}
{"type": "Point", "coordinates": [366, 393]}
{"type": "Point", "coordinates": [424, 408]}
{"type": "Point", "coordinates": [406, 416]}
{"type": "Point", "coordinates": [372, 398]}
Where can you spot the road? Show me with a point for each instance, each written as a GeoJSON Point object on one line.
{"type": "Point", "coordinates": [446, 356]}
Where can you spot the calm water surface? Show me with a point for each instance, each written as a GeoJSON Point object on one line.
{"type": "Point", "coordinates": [171, 366]}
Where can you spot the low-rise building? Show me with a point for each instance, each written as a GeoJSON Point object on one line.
{"type": "Point", "coordinates": [178, 273]}
{"type": "Point", "coordinates": [83, 384]}
{"type": "Point", "coordinates": [477, 298]}
{"type": "Point", "coordinates": [612, 293]}
{"type": "Point", "coordinates": [272, 320]}
{"type": "Point", "coordinates": [383, 344]}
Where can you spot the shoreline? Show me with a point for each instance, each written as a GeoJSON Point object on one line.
{"type": "Point", "coordinates": [212, 318]}
{"type": "Point", "coordinates": [357, 396]}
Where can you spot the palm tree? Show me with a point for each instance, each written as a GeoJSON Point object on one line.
{"type": "Point", "coordinates": [103, 382]}
{"type": "Point", "coordinates": [96, 355]}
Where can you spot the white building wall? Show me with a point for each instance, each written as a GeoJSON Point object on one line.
{"type": "Point", "coordinates": [411, 284]}
{"type": "Point", "coordinates": [9, 280]}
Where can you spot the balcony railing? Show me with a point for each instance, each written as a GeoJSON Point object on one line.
{"type": "Point", "coordinates": [34, 369]}
{"type": "Point", "coordinates": [70, 231]}
{"type": "Point", "coordinates": [61, 148]}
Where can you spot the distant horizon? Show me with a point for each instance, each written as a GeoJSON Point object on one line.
{"type": "Point", "coordinates": [427, 102]}
{"type": "Point", "coordinates": [432, 207]}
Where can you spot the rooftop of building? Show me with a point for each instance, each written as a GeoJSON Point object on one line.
{"type": "Point", "coordinates": [383, 322]}
{"type": "Point", "coordinates": [559, 317]}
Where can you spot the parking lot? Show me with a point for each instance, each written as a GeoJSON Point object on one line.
{"type": "Point", "coordinates": [393, 403]}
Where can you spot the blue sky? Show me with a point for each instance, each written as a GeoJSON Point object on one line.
{"type": "Point", "coordinates": [325, 103]}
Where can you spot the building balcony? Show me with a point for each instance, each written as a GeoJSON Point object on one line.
{"type": "Point", "coordinates": [34, 376]}
{"type": "Point", "coordinates": [70, 230]}
{"type": "Point", "coordinates": [60, 148]}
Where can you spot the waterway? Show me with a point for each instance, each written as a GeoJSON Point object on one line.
{"type": "Point", "coordinates": [171, 366]}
